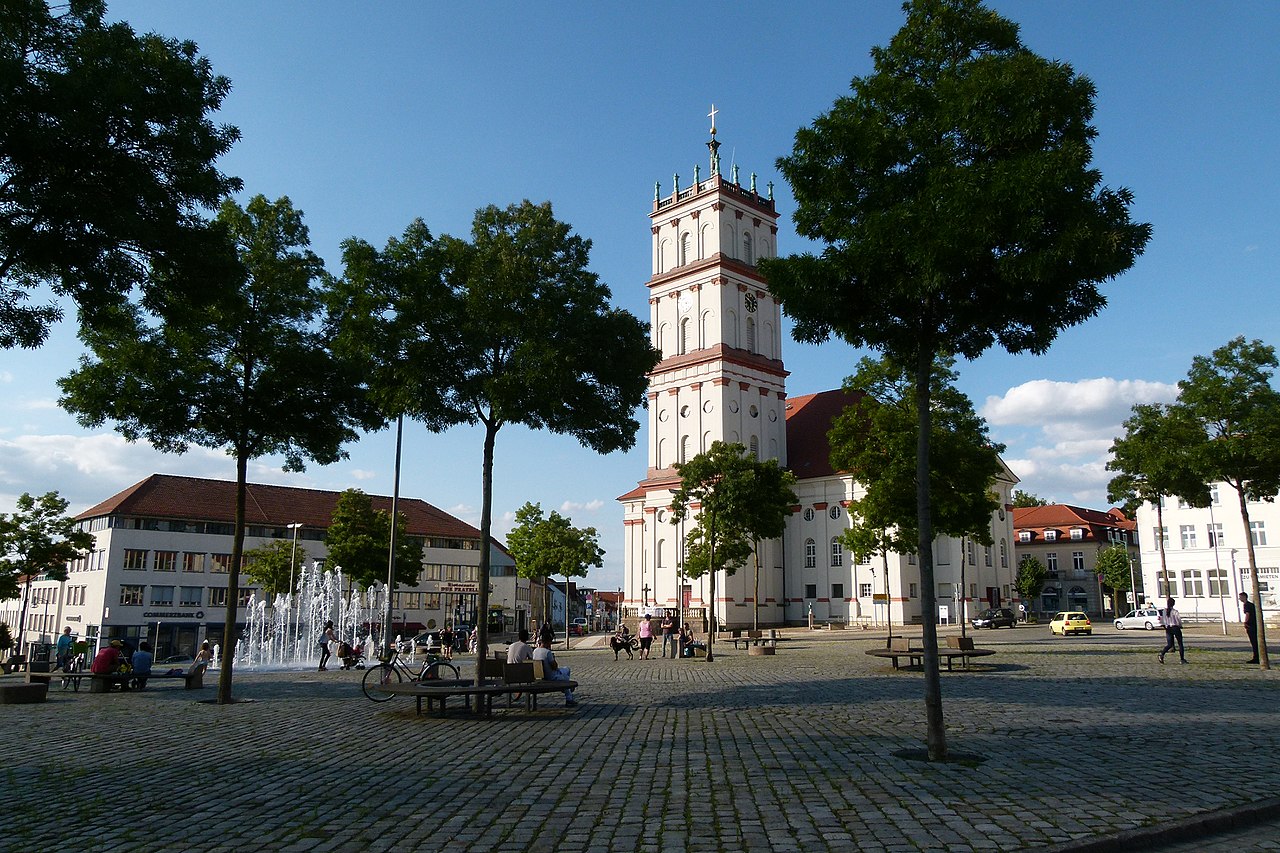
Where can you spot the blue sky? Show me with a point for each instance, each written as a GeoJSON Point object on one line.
{"type": "Point", "coordinates": [369, 115]}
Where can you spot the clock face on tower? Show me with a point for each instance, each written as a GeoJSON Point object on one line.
{"type": "Point", "coordinates": [684, 303]}
{"type": "Point", "coordinates": [750, 302]}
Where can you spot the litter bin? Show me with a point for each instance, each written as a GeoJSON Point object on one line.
{"type": "Point", "coordinates": [40, 652]}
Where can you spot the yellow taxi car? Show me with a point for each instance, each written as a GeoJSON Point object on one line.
{"type": "Point", "coordinates": [1070, 622]}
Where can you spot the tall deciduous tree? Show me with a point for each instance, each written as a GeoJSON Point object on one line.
{"type": "Point", "coordinates": [538, 344]}
{"type": "Point", "coordinates": [107, 157]}
{"type": "Point", "coordinates": [955, 198]}
{"type": "Point", "coordinates": [247, 371]}
{"type": "Point", "coordinates": [359, 537]}
{"type": "Point", "coordinates": [1229, 396]}
{"type": "Point", "coordinates": [1113, 566]}
{"type": "Point", "coordinates": [1156, 459]}
{"type": "Point", "coordinates": [1024, 500]}
{"type": "Point", "coordinates": [1031, 577]}
{"type": "Point", "coordinates": [37, 539]}
{"type": "Point", "coordinates": [551, 545]}
{"type": "Point", "coordinates": [740, 500]}
{"type": "Point", "coordinates": [272, 566]}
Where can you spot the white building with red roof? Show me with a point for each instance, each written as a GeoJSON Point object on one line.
{"type": "Point", "coordinates": [1067, 540]}
{"type": "Point", "coordinates": [721, 378]}
{"type": "Point", "coordinates": [163, 547]}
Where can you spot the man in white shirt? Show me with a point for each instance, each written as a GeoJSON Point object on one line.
{"type": "Point", "coordinates": [1172, 632]}
{"type": "Point", "coordinates": [520, 651]}
{"type": "Point", "coordinates": [551, 669]}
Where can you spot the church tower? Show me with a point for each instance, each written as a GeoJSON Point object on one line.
{"type": "Point", "coordinates": [720, 379]}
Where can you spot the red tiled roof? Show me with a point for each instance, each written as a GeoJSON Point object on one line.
{"type": "Point", "coordinates": [808, 420]}
{"type": "Point", "coordinates": [1066, 516]}
{"type": "Point", "coordinates": [196, 499]}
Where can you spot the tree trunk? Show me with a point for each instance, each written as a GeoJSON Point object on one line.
{"type": "Point", "coordinates": [233, 584]}
{"type": "Point", "coordinates": [1164, 564]}
{"type": "Point", "coordinates": [888, 600]}
{"type": "Point", "coordinates": [391, 555]}
{"type": "Point", "coordinates": [486, 525]}
{"type": "Point", "coordinates": [1264, 661]}
{"type": "Point", "coordinates": [755, 598]}
{"type": "Point", "coordinates": [937, 734]}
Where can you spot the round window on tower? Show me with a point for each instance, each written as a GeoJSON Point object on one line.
{"type": "Point", "coordinates": [834, 512]}
{"type": "Point", "coordinates": [754, 411]}
{"type": "Point", "coordinates": [773, 415]}
{"type": "Point", "coordinates": [808, 514]}
{"type": "Point", "coordinates": [663, 415]}
{"type": "Point", "coordinates": [708, 407]}
{"type": "Point", "coordinates": [662, 515]}
{"type": "Point", "coordinates": [684, 411]}
{"type": "Point", "coordinates": [733, 406]}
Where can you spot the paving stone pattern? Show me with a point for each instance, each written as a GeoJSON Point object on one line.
{"type": "Point", "coordinates": [795, 752]}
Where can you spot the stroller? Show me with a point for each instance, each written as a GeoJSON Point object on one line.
{"type": "Point", "coordinates": [352, 657]}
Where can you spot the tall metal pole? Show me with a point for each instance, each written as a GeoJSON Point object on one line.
{"type": "Point", "coordinates": [1217, 567]}
{"type": "Point", "coordinates": [391, 552]}
{"type": "Point", "coordinates": [293, 559]}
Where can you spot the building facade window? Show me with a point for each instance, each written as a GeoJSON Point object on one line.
{"type": "Point", "coordinates": [135, 559]}
{"type": "Point", "coordinates": [1077, 534]}
{"type": "Point", "coordinates": [1077, 561]}
{"type": "Point", "coordinates": [220, 563]}
{"type": "Point", "coordinates": [837, 592]}
{"type": "Point", "coordinates": [1215, 535]}
{"type": "Point", "coordinates": [131, 593]}
{"type": "Point", "coordinates": [166, 561]}
{"type": "Point", "coordinates": [1188, 534]}
{"type": "Point", "coordinates": [192, 562]}
{"type": "Point", "coordinates": [1024, 535]}
{"type": "Point", "coordinates": [747, 254]}
{"type": "Point", "coordinates": [1051, 536]}
{"type": "Point", "coordinates": [1004, 555]}
{"type": "Point", "coordinates": [1258, 533]}
{"type": "Point", "coordinates": [1051, 561]}
{"type": "Point", "coordinates": [191, 596]}
{"type": "Point", "coordinates": [161, 596]}
{"type": "Point", "coordinates": [217, 596]}
{"type": "Point", "coordinates": [1192, 584]}
{"type": "Point", "coordinates": [810, 555]}
{"type": "Point", "coordinates": [986, 549]}
{"type": "Point", "coordinates": [1161, 535]}
{"type": "Point", "coordinates": [837, 552]}
{"type": "Point", "coordinates": [1166, 586]}
{"type": "Point", "coordinates": [864, 590]}
{"type": "Point", "coordinates": [1218, 587]}
{"type": "Point", "coordinates": [811, 590]}
{"type": "Point", "coordinates": [911, 590]}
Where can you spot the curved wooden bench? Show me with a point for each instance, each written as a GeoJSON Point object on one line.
{"type": "Point", "coordinates": [23, 694]}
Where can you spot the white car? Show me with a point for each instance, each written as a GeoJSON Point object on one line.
{"type": "Point", "coordinates": [1148, 618]}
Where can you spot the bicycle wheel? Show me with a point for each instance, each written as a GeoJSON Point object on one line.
{"type": "Point", "coordinates": [439, 669]}
{"type": "Point", "coordinates": [382, 675]}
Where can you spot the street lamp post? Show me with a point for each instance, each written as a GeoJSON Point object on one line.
{"type": "Point", "coordinates": [293, 559]}
{"type": "Point", "coordinates": [1217, 568]}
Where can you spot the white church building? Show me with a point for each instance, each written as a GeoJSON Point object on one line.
{"type": "Point", "coordinates": [721, 378]}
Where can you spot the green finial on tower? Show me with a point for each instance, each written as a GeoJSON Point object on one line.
{"type": "Point", "coordinates": [735, 173]}
{"type": "Point", "coordinates": [770, 185]}
{"type": "Point", "coordinates": [657, 190]}
{"type": "Point", "coordinates": [675, 182]}
{"type": "Point", "coordinates": [753, 182]}
{"type": "Point", "coordinates": [696, 173]}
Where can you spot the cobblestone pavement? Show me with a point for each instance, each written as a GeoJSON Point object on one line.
{"type": "Point", "coordinates": [798, 752]}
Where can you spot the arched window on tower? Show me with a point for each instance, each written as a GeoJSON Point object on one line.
{"type": "Point", "coordinates": [685, 444]}
{"type": "Point", "coordinates": [661, 339]}
{"type": "Point", "coordinates": [657, 555]}
{"type": "Point", "coordinates": [662, 453]}
{"type": "Point", "coordinates": [746, 248]}
{"type": "Point", "coordinates": [837, 552]}
{"type": "Point", "coordinates": [755, 447]}
{"type": "Point", "coordinates": [751, 334]}
{"type": "Point", "coordinates": [810, 554]}
{"type": "Point", "coordinates": [705, 329]}
{"type": "Point", "coordinates": [686, 326]}
{"type": "Point", "coordinates": [686, 246]}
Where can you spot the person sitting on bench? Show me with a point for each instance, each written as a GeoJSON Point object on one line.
{"type": "Point", "coordinates": [142, 659]}
{"type": "Point", "coordinates": [552, 671]}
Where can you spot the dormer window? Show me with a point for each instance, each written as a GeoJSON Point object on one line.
{"type": "Point", "coordinates": [1051, 536]}
{"type": "Point", "coordinates": [1077, 533]}
{"type": "Point", "coordinates": [1024, 535]}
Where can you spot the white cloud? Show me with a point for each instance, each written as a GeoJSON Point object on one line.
{"type": "Point", "coordinates": [6, 376]}
{"type": "Point", "coordinates": [1061, 432]}
{"type": "Point", "coordinates": [362, 474]}
{"type": "Point", "coordinates": [569, 507]}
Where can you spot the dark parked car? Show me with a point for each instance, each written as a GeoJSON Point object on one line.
{"type": "Point", "coordinates": [994, 618]}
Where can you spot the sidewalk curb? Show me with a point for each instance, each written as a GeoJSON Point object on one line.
{"type": "Point", "coordinates": [1198, 826]}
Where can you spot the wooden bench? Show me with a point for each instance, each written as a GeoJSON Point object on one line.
{"type": "Point", "coordinates": [900, 647]}
{"type": "Point", "coordinates": [483, 694]}
{"type": "Point", "coordinates": [71, 679]}
{"type": "Point", "coordinates": [103, 682]}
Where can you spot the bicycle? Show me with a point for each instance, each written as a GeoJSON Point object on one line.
{"type": "Point", "coordinates": [392, 670]}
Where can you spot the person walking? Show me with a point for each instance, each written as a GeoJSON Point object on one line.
{"type": "Point", "coordinates": [669, 635]}
{"type": "Point", "coordinates": [646, 637]}
{"type": "Point", "coordinates": [326, 637]}
{"type": "Point", "coordinates": [1172, 631]}
{"type": "Point", "coordinates": [1250, 624]}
